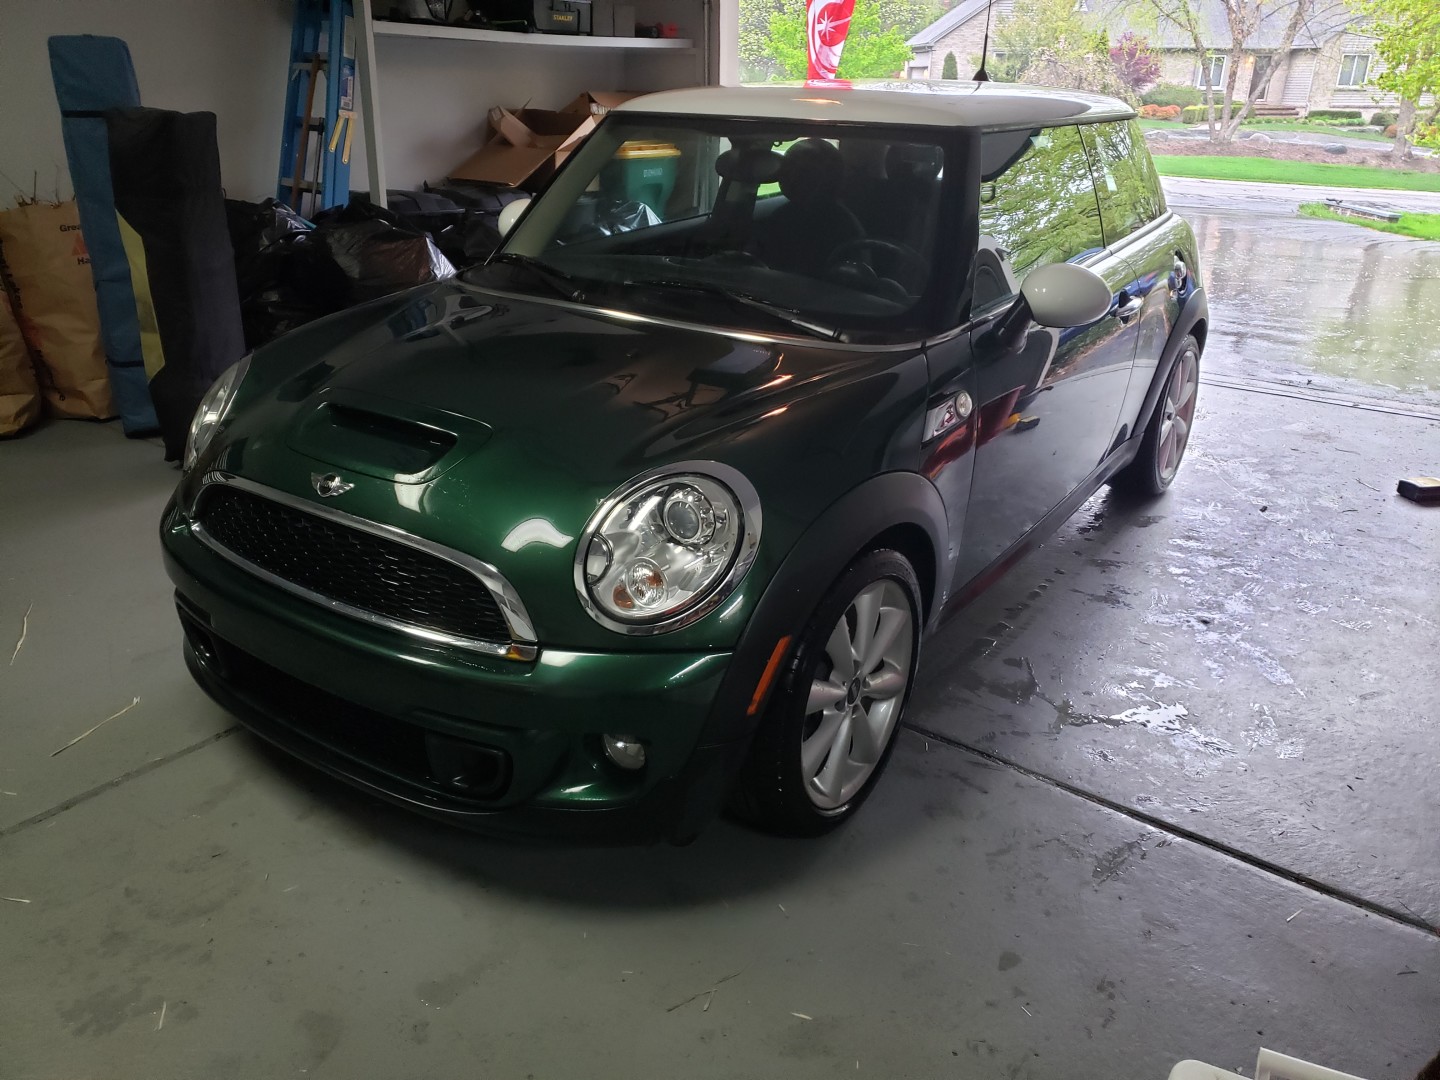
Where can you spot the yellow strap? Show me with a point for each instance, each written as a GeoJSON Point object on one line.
{"type": "Point", "coordinates": [151, 349]}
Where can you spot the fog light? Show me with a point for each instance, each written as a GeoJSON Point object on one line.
{"type": "Point", "coordinates": [624, 750]}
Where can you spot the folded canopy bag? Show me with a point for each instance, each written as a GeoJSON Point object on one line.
{"type": "Point", "coordinates": [170, 210]}
{"type": "Point", "coordinates": [93, 75]}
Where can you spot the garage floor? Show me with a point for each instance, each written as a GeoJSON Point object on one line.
{"type": "Point", "coordinates": [1168, 791]}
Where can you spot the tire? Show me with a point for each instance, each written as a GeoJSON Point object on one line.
{"type": "Point", "coordinates": [1155, 466]}
{"type": "Point", "coordinates": [808, 769]}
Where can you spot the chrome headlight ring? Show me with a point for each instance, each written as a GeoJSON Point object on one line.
{"type": "Point", "coordinates": [211, 411]}
{"type": "Point", "coordinates": [666, 549]}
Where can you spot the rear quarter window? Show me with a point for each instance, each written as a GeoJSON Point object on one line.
{"type": "Point", "coordinates": [1125, 178]}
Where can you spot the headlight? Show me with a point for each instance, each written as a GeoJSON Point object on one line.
{"type": "Point", "coordinates": [666, 549]}
{"type": "Point", "coordinates": [212, 410]}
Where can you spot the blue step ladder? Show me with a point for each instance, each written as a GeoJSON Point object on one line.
{"type": "Point", "coordinates": [315, 148]}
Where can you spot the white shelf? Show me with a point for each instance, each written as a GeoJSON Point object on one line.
{"type": "Point", "coordinates": [544, 41]}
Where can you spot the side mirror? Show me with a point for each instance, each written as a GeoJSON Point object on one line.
{"type": "Point", "coordinates": [1063, 294]}
{"type": "Point", "coordinates": [510, 215]}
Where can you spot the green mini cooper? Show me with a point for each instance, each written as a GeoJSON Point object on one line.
{"type": "Point", "coordinates": [649, 515]}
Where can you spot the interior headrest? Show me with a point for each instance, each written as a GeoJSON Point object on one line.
{"type": "Point", "coordinates": [749, 164]}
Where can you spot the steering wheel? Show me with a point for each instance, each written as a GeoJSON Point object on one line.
{"type": "Point", "coordinates": [909, 265]}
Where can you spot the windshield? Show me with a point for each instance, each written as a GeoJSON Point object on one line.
{"type": "Point", "coordinates": [815, 229]}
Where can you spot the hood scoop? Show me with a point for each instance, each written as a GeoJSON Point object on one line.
{"type": "Point", "coordinates": [390, 440]}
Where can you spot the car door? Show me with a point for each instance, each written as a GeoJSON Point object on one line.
{"type": "Point", "coordinates": [1158, 245]}
{"type": "Point", "coordinates": [1047, 409]}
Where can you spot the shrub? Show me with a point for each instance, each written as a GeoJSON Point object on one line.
{"type": "Point", "coordinates": [1392, 131]}
{"type": "Point", "coordinates": [1195, 114]}
{"type": "Point", "coordinates": [950, 69]}
{"type": "Point", "coordinates": [1170, 112]}
{"type": "Point", "coordinates": [1334, 114]}
{"type": "Point", "coordinates": [1172, 94]}
{"type": "Point", "coordinates": [1134, 61]}
{"type": "Point", "coordinates": [1382, 119]}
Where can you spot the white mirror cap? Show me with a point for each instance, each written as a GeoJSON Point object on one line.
{"type": "Point", "coordinates": [511, 214]}
{"type": "Point", "coordinates": [1063, 294]}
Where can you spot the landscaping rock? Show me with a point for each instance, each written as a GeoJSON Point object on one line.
{"type": "Point", "coordinates": [1259, 138]}
{"type": "Point", "coordinates": [1335, 148]}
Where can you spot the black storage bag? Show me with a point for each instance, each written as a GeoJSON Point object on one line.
{"type": "Point", "coordinates": [165, 168]}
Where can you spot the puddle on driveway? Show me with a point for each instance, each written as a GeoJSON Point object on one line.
{"type": "Point", "coordinates": [1326, 305]}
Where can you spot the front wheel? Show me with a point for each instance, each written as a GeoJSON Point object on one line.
{"type": "Point", "coordinates": [829, 729]}
{"type": "Point", "coordinates": [1168, 433]}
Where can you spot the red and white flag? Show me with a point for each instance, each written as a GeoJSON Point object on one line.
{"type": "Point", "coordinates": [826, 24]}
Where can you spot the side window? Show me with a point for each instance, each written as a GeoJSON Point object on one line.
{"type": "Point", "coordinates": [1037, 206]}
{"type": "Point", "coordinates": [1125, 179]}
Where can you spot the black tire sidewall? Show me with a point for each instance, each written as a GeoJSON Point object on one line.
{"type": "Point", "coordinates": [1143, 475]}
{"type": "Point", "coordinates": [777, 795]}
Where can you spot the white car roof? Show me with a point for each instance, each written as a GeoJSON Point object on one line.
{"type": "Point", "coordinates": [926, 103]}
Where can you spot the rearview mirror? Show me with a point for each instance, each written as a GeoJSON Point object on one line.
{"type": "Point", "coordinates": [510, 215]}
{"type": "Point", "coordinates": [1063, 294]}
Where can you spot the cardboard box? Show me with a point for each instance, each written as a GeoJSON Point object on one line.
{"type": "Point", "coordinates": [526, 146]}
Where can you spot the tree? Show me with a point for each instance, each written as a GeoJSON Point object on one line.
{"type": "Point", "coordinates": [1053, 43]}
{"type": "Point", "coordinates": [1243, 20]}
{"type": "Point", "coordinates": [1034, 26]}
{"type": "Point", "coordinates": [1137, 66]}
{"type": "Point", "coordinates": [1408, 33]}
{"type": "Point", "coordinates": [757, 59]}
{"type": "Point", "coordinates": [950, 69]}
{"type": "Point", "coordinates": [872, 49]}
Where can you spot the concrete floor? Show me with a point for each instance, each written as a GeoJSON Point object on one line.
{"type": "Point", "coordinates": [1167, 792]}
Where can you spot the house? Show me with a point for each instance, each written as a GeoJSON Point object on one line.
{"type": "Point", "coordinates": [1330, 65]}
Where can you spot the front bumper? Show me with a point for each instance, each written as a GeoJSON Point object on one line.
{"type": "Point", "coordinates": [500, 746]}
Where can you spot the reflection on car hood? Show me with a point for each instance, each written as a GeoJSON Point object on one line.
{"type": "Point", "coordinates": [595, 388]}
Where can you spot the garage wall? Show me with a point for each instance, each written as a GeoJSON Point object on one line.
{"type": "Point", "coordinates": [228, 57]}
{"type": "Point", "coordinates": [224, 57]}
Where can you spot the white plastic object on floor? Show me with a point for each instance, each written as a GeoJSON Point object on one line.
{"type": "Point", "coordinates": [1270, 1065]}
{"type": "Point", "coordinates": [1198, 1070]}
{"type": "Point", "coordinates": [1275, 1066]}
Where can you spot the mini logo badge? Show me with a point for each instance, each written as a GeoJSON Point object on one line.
{"type": "Point", "coordinates": [328, 484]}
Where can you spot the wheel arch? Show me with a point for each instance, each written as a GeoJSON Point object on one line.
{"type": "Point", "coordinates": [900, 510]}
{"type": "Point", "coordinates": [1193, 322]}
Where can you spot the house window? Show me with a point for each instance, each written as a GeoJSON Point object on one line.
{"type": "Point", "coordinates": [1354, 68]}
{"type": "Point", "coordinates": [1212, 70]}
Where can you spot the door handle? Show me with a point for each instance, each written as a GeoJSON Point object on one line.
{"type": "Point", "coordinates": [1129, 307]}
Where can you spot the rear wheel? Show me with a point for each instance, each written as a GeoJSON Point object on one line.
{"type": "Point", "coordinates": [830, 726]}
{"type": "Point", "coordinates": [1168, 433]}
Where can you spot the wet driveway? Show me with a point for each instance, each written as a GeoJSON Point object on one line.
{"type": "Point", "coordinates": [1251, 657]}
{"type": "Point", "coordinates": [1320, 305]}
{"type": "Point", "coordinates": [1167, 790]}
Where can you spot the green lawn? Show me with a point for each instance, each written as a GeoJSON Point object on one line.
{"type": "Point", "coordinates": [1420, 226]}
{"type": "Point", "coordinates": [1273, 171]}
{"type": "Point", "coordinates": [1153, 125]}
{"type": "Point", "coordinates": [1315, 129]}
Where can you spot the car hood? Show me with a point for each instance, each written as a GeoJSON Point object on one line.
{"type": "Point", "coordinates": [599, 396]}
{"type": "Point", "coordinates": [495, 425]}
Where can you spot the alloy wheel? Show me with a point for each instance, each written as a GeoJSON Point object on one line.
{"type": "Point", "coordinates": [854, 706]}
{"type": "Point", "coordinates": [1178, 416]}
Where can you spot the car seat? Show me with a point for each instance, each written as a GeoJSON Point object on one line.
{"type": "Point", "coordinates": [801, 236]}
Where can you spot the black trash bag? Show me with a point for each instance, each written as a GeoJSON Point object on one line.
{"type": "Point", "coordinates": [256, 226]}
{"type": "Point", "coordinates": [377, 252]}
{"type": "Point", "coordinates": [470, 239]}
{"type": "Point", "coordinates": [595, 217]}
{"type": "Point", "coordinates": [285, 277]}
{"type": "Point", "coordinates": [165, 171]}
{"type": "Point", "coordinates": [465, 224]}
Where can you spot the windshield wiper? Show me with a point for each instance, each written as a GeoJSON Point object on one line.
{"type": "Point", "coordinates": [565, 284]}
{"type": "Point", "coordinates": [786, 315]}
